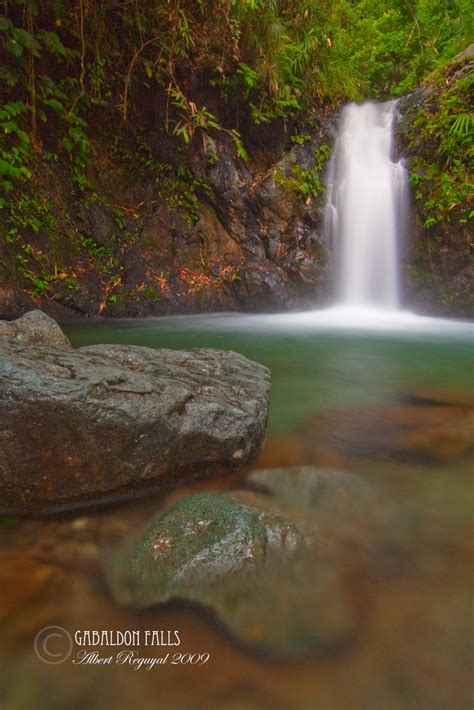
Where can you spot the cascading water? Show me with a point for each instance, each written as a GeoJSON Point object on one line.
{"type": "Point", "coordinates": [366, 200]}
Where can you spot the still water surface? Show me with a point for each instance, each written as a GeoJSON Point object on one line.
{"type": "Point", "coordinates": [316, 360]}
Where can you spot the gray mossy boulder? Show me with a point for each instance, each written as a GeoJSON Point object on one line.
{"type": "Point", "coordinates": [87, 425]}
{"type": "Point", "coordinates": [196, 543]}
{"type": "Point", "coordinates": [275, 564]}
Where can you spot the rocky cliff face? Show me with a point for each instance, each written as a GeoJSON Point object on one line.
{"type": "Point", "coordinates": [163, 230]}
{"type": "Point", "coordinates": [206, 233]}
{"type": "Point", "coordinates": [437, 257]}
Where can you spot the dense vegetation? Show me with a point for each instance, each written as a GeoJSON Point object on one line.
{"type": "Point", "coordinates": [267, 58]}
{"type": "Point", "coordinates": [441, 142]}
{"type": "Point", "coordinates": [192, 69]}
{"type": "Point", "coordinates": [438, 130]}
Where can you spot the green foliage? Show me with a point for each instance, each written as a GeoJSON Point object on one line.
{"type": "Point", "coordinates": [306, 181]}
{"type": "Point", "coordinates": [300, 138]}
{"type": "Point", "coordinates": [176, 186]}
{"type": "Point", "coordinates": [387, 46]}
{"type": "Point", "coordinates": [442, 141]}
{"type": "Point", "coordinates": [268, 58]}
{"type": "Point", "coordinates": [32, 215]}
{"type": "Point", "coordinates": [191, 119]}
{"type": "Point", "coordinates": [310, 178]}
{"type": "Point", "coordinates": [14, 149]}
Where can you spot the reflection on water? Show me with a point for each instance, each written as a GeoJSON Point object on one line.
{"type": "Point", "coordinates": [413, 650]}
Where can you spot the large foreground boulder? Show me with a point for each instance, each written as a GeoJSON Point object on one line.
{"type": "Point", "coordinates": [85, 425]}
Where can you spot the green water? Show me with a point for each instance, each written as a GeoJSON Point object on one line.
{"type": "Point", "coordinates": [312, 369]}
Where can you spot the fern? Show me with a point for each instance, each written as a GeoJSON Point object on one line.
{"type": "Point", "coordinates": [462, 125]}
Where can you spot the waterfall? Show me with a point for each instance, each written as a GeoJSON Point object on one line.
{"type": "Point", "coordinates": [366, 198]}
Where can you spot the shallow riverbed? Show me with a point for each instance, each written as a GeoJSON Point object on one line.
{"type": "Point", "coordinates": [414, 603]}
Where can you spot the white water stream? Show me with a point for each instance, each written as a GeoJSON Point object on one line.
{"type": "Point", "coordinates": [366, 203]}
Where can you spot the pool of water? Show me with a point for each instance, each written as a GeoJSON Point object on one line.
{"type": "Point", "coordinates": [414, 650]}
{"type": "Point", "coordinates": [317, 360]}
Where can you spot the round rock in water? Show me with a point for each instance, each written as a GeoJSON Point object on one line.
{"type": "Point", "coordinates": [335, 507]}
{"type": "Point", "coordinates": [196, 543]}
{"type": "Point", "coordinates": [87, 425]}
{"type": "Point", "coordinates": [283, 566]}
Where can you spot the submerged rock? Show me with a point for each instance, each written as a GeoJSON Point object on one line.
{"type": "Point", "coordinates": [103, 421]}
{"type": "Point", "coordinates": [422, 425]}
{"type": "Point", "coordinates": [197, 542]}
{"type": "Point", "coordinates": [333, 506]}
{"type": "Point", "coordinates": [34, 327]}
{"type": "Point", "coordinates": [437, 397]}
{"type": "Point", "coordinates": [281, 563]}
